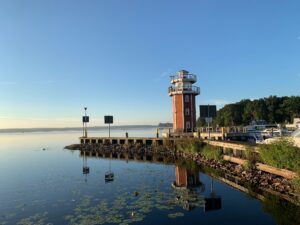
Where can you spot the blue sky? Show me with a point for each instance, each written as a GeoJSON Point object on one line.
{"type": "Point", "coordinates": [115, 57]}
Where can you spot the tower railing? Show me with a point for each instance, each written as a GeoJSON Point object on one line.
{"type": "Point", "coordinates": [184, 90]}
{"type": "Point", "coordinates": [184, 77]}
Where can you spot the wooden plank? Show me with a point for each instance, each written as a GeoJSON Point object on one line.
{"type": "Point", "coordinates": [273, 170]}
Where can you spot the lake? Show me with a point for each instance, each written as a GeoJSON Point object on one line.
{"type": "Point", "coordinates": [41, 183]}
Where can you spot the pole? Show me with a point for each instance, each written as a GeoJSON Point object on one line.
{"type": "Point", "coordinates": [208, 123]}
{"type": "Point", "coordinates": [85, 108]}
{"type": "Point", "coordinates": [109, 130]}
{"type": "Point", "coordinates": [82, 129]}
{"type": "Point", "coordinates": [208, 130]}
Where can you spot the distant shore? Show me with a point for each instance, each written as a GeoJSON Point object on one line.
{"type": "Point", "coordinates": [26, 130]}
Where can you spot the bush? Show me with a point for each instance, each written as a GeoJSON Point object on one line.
{"type": "Point", "coordinates": [252, 157]}
{"type": "Point", "coordinates": [211, 152]}
{"type": "Point", "coordinates": [189, 145]}
{"type": "Point", "coordinates": [281, 154]}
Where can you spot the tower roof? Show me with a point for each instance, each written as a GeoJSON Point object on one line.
{"type": "Point", "coordinates": [183, 72]}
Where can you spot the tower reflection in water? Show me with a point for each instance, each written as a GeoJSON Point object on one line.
{"type": "Point", "coordinates": [188, 188]}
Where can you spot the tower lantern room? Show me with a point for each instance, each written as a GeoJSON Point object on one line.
{"type": "Point", "coordinates": [183, 94]}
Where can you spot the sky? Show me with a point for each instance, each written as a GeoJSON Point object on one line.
{"type": "Point", "coordinates": [115, 57]}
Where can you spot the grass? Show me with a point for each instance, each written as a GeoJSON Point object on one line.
{"type": "Point", "coordinates": [197, 146]}
{"type": "Point", "coordinates": [211, 152]}
{"type": "Point", "coordinates": [252, 157]}
{"type": "Point", "coordinates": [281, 154]}
{"type": "Point", "coordinates": [189, 145]}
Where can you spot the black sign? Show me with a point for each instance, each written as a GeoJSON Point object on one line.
{"type": "Point", "coordinates": [208, 111]}
{"type": "Point", "coordinates": [85, 119]}
{"type": "Point", "coordinates": [108, 119]}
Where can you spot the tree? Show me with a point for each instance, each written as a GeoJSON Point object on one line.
{"type": "Point", "coordinates": [273, 109]}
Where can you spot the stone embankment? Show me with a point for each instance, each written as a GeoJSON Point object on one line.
{"type": "Point", "coordinates": [260, 179]}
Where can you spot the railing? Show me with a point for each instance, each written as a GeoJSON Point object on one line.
{"type": "Point", "coordinates": [227, 130]}
{"type": "Point", "coordinates": [187, 77]}
{"type": "Point", "coordinates": [193, 90]}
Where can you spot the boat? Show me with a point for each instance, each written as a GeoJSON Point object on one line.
{"type": "Point", "coordinates": [263, 130]}
{"type": "Point", "coordinates": [256, 132]}
{"type": "Point", "coordinates": [294, 137]}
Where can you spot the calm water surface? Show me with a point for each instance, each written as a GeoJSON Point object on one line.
{"type": "Point", "coordinates": [48, 187]}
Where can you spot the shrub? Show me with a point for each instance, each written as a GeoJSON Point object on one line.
{"type": "Point", "coordinates": [211, 152]}
{"type": "Point", "coordinates": [189, 145]}
{"type": "Point", "coordinates": [281, 154]}
{"type": "Point", "coordinates": [252, 157]}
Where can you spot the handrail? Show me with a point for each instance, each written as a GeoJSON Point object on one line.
{"type": "Point", "coordinates": [184, 76]}
{"type": "Point", "coordinates": [193, 89]}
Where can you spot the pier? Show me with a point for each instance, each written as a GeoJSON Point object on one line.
{"type": "Point", "coordinates": [153, 141]}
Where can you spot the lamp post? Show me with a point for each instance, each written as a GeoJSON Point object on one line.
{"type": "Point", "coordinates": [85, 120]}
{"type": "Point", "coordinates": [85, 108]}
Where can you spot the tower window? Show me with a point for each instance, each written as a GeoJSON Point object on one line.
{"type": "Point", "coordinates": [186, 98]}
{"type": "Point", "coordinates": [187, 111]}
{"type": "Point", "coordinates": [188, 125]}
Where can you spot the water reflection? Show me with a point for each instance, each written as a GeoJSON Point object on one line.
{"type": "Point", "coordinates": [189, 192]}
{"type": "Point", "coordinates": [109, 175]}
{"type": "Point", "coordinates": [85, 168]}
{"type": "Point", "coordinates": [213, 201]}
{"type": "Point", "coordinates": [48, 187]}
{"type": "Point", "coordinates": [188, 187]}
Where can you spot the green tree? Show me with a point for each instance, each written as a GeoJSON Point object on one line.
{"type": "Point", "coordinates": [273, 109]}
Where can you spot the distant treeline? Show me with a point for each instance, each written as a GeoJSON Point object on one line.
{"type": "Point", "coordinates": [95, 128]}
{"type": "Point", "coordinates": [165, 125]}
{"type": "Point", "coordinates": [272, 109]}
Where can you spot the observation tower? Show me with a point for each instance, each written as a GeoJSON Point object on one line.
{"type": "Point", "coordinates": [183, 95]}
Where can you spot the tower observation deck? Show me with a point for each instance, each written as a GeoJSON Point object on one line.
{"type": "Point", "coordinates": [183, 94]}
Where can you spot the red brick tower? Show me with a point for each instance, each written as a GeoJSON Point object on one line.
{"type": "Point", "coordinates": [184, 102]}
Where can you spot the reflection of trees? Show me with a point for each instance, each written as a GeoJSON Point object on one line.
{"type": "Point", "coordinates": [284, 212]}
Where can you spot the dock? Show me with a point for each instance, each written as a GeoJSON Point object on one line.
{"type": "Point", "coordinates": [153, 141]}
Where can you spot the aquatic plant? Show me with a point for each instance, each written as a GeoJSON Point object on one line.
{"type": "Point", "coordinates": [37, 219]}
{"type": "Point", "coordinates": [128, 207]}
{"type": "Point", "coordinates": [175, 215]}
